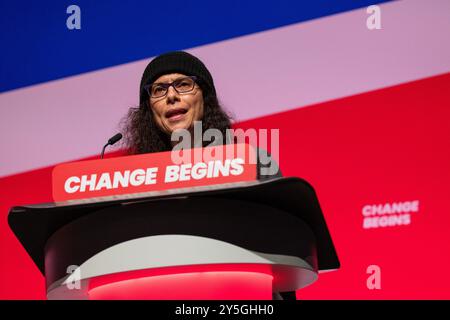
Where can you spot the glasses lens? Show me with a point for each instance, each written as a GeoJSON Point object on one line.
{"type": "Point", "coordinates": [184, 85]}
{"type": "Point", "coordinates": [157, 90]}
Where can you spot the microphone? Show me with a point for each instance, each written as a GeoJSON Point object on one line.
{"type": "Point", "coordinates": [111, 141]}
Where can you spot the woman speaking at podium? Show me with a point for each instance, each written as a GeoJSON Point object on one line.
{"type": "Point", "coordinates": [176, 89]}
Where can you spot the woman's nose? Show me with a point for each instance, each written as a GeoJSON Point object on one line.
{"type": "Point", "coordinates": [172, 94]}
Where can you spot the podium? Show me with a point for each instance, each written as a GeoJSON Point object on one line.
{"type": "Point", "coordinates": [241, 240]}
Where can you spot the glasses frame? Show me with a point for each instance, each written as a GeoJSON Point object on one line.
{"type": "Point", "coordinates": [166, 86]}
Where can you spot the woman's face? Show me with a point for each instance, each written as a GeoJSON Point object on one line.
{"type": "Point", "coordinates": [176, 111]}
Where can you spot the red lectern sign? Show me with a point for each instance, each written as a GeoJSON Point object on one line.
{"type": "Point", "coordinates": [154, 172]}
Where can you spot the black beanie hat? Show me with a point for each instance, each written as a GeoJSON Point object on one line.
{"type": "Point", "coordinates": [176, 62]}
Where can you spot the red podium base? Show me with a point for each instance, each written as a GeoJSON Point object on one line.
{"type": "Point", "coordinates": [218, 282]}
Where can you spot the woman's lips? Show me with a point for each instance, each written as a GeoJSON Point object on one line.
{"type": "Point", "coordinates": [176, 117]}
{"type": "Point", "coordinates": [176, 114]}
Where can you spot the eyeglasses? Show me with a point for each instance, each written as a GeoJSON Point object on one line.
{"type": "Point", "coordinates": [181, 85]}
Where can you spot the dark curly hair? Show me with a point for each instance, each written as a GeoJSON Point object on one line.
{"type": "Point", "coordinates": [142, 134]}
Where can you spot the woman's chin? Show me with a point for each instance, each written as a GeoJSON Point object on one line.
{"type": "Point", "coordinates": [178, 127]}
